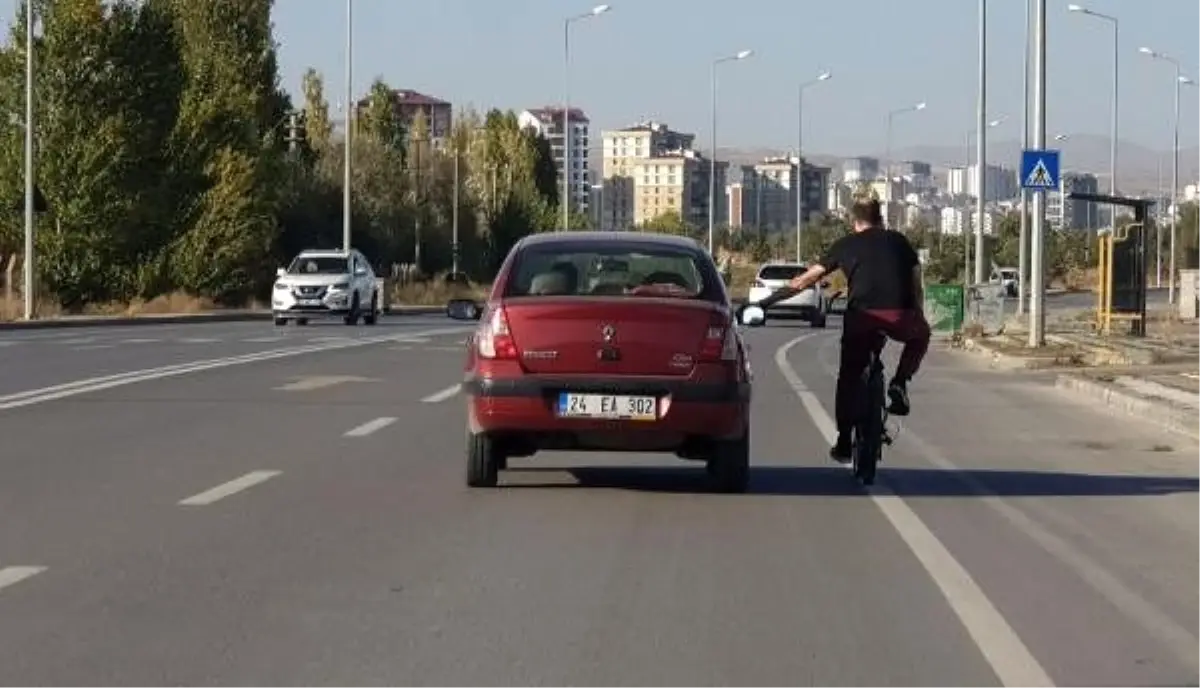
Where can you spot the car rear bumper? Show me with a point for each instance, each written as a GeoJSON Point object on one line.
{"type": "Point", "coordinates": [689, 411]}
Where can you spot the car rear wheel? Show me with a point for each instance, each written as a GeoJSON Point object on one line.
{"type": "Point", "coordinates": [483, 460]}
{"type": "Point", "coordinates": [818, 319]}
{"type": "Point", "coordinates": [372, 316]}
{"type": "Point", "coordinates": [729, 465]}
{"type": "Point", "coordinates": [301, 321]}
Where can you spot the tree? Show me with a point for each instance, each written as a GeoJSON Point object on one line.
{"type": "Point", "coordinates": [669, 222]}
{"type": "Point", "coordinates": [379, 120]}
{"type": "Point", "coordinates": [317, 124]}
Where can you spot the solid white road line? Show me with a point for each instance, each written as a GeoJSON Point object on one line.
{"type": "Point", "coordinates": [1008, 656]}
{"type": "Point", "coordinates": [143, 340]}
{"type": "Point", "coordinates": [198, 340]}
{"type": "Point", "coordinates": [438, 397]}
{"type": "Point", "coordinates": [11, 575]}
{"type": "Point", "coordinates": [230, 488]}
{"type": "Point", "coordinates": [76, 387]}
{"type": "Point", "coordinates": [370, 427]}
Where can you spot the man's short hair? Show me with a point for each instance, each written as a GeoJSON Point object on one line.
{"type": "Point", "coordinates": [867, 211]}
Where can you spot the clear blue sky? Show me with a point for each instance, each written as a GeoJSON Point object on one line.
{"type": "Point", "coordinates": [650, 58]}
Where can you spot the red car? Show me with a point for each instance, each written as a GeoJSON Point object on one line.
{"type": "Point", "coordinates": [607, 341]}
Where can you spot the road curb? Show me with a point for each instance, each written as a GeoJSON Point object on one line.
{"type": "Point", "coordinates": [1161, 412]}
{"type": "Point", "coordinates": [1003, 361]}
{"type": "Point", "coordinates": [182, 319]}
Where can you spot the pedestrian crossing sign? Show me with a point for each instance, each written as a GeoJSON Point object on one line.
{"type": "Point", "coordinates": [1039, 169]}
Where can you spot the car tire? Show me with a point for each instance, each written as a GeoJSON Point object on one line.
{"type": "Point", "coordinates": [372, 316]}
{"type": "Point", "coordinates": [818, 319]}
{"type": "Point", "coordinates": [483, 460]}
{"type": "Point", "coordinates": [302, 321]}
{"type": "Point", "coordinates": [729, 466]}
{"type": "Point", "coordinates": [280, 322]}
{"type": "Point", "coordinates": [352, 316]}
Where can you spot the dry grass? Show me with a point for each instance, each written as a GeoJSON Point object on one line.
{"type": "Point", "coordinates": [175, 303]}
{"type": "Point", "coordinates": [435, 292]}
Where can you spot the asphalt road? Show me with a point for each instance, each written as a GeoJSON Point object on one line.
{"type": "Point", "coordinates": [298, 516]}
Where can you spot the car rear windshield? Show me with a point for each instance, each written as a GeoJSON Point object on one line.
{"type": "Point", "coordinates": [318, 265]}
{"type": "Point", "coordinates": [613, 269]}
{"type": "Point", "coordinates": [781, 272]}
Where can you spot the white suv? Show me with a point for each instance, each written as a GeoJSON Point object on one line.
{"type": "Point", "coordinates": [326, 284]}
{"type": "Point", "coordinates": [809, 304]}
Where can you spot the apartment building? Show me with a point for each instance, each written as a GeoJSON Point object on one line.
{"type": "Point", "coordinates": [625, 152]}
{"type": "Point", "coordinates": [860, 169]}
{"type": "Point", "coordinates": [1001, 183]}
{"type": "Point", "coordinates": [956, 220]}
{"type": "Point", "coordinates": [675, 182]}
{"type": "Point", "coordinates": [1075, 214]}
{"type": "Point", "coordinates": [438, 114]}
{"type": "Point", "coordinates": [768, 193]}
{"type": "Point", "coordinates": [548, 121]}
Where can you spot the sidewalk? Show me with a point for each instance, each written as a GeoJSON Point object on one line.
{"type": "Point", "coordinates": [1168, 396]}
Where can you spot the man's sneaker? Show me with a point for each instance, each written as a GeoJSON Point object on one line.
{"type": "Point", "coordinates": [841, 450]}
{"type": "Point", "coordinates": [898, 396]}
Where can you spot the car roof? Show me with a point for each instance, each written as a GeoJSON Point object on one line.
{"type": "Point", "coordinates": [325, 253]}
{"type": "Point", "coordinates": [593, 237]}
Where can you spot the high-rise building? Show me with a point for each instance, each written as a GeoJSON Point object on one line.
{"type": "Point", "coordinates": [859, 169]}
{"type": "Point", "coordinates": [1001, 183]}
{"type": "Point", "coordinates": [548, 121]}
{"type": "Point", "coordinates": [1074, 214]}
{"type": "Point", "coordinates": [769, 190]}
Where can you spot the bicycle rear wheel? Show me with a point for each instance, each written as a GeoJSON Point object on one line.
{"type": "Point", "coordinates": [868, 440]}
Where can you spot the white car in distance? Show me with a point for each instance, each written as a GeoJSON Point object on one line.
{"type": "Point", "coordinates": [809, 305]}
{"type": "Point", "coordinates": [325, 284]}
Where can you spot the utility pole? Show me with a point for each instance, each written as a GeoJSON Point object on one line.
{"type": "Point", "coordinates": [30, 262]}
{"type": "Point", "coordinates": [1023, 240]}
{"type": "Point", "coordinates": [349, 124]}
{"type": "Point", "coordinates": [1037, 302]}
{"type": "Point", "coordinates": [981, 142]}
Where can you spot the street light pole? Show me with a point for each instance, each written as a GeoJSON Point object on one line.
{"type": "Point", "coordinates": [823, 76]}
{"type": "Point", "coordinates": [349, 124]}
{"type": "Point", "coordinates": [1115, 105]}
{"type": "Point", "coordinates": [712, 156]}
{"type": "Point", "coordinates": [1037, 301]}
{"type": "Point", "coordinates": [1180, 80]}
{"type": "Point", "coordinates": [29, 264]}
{"type": "Point", "coordinates": [567, 185]}
{"type": "Point", "coordinates": [887, 162]}
{"type": "Point", "coordinates": [1023, 237]}
{"type": "Point", "coordinates": [978, 220]}
{"type": "Point", "coordinates": [981, 116]}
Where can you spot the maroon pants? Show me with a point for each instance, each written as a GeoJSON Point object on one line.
{"type": "Point", "coordinates": [867, 331]}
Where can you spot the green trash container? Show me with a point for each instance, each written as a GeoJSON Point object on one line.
{"type": "Point", "coordinates": [944, 307]}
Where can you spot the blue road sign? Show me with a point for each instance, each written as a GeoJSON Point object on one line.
{"type": "Point", "coordinates": [1039, 169]}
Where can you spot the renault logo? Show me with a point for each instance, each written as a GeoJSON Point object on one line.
{"type": "Point", "coordinates": [608, 332]}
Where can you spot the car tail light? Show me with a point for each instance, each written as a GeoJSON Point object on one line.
{"type": "Point", "coordinates": [495, 340]}
{"type": "Point", "coordinates": [759, 284]}
{"type": "Point", "coordinates": [720, 343]}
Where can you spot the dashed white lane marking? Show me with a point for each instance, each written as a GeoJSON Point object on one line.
{"type": "Point", "coordinates": [140, 340]}
{"type": "Point", "coordinates": [414, 340]}
{"type": "Point", "coordinates": [77, 341]}
{"type": "Point", "coordinates": [1008, 656]}
{"type": "Point", "coordinates": [11, 575]}
{"type": "Point", "coordinates": [94, 347]}
{"type": "Point", "coordinates": [438, 397]}
{"type": "Point", "coordinates": [400, 348]}
{"type": "Point", "coordinates": [263, 340]}
{"type": "Point", "coordinates": [369, 427]}
{"type": "Point", "coordinates": [230, 488]}
{"type": "Point", "coordinates": [199, 340]}
{"type": "Point", "coordinates": [444, 348]}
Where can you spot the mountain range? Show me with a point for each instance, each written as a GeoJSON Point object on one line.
{"type": "Point", "coordinates": [1138, 166]}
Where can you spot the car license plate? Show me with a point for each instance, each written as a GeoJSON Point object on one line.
{"type": "Point", "coordinates": [310, 302]}
{"type": "Point", "coordinates": [607, 406]}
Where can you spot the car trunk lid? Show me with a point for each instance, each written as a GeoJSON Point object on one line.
{"type": "Point", "coordinates": [646, 336]}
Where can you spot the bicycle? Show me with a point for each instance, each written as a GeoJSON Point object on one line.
{"type": "Point", "coordinates": [870, 432]}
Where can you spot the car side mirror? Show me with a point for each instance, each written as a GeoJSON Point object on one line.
{"type": "Point", "coordinates": [280, 272]}
{"type": "Point", "coordinates": [463, 309]}
{"type": "Point", "coordinates": [751, 316]}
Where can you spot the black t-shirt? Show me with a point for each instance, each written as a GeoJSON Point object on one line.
{"type": "Point", "coordinates": [878, 264]}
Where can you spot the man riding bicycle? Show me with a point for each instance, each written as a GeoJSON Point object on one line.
{"type": "Point", "coordinates": [885, 298]}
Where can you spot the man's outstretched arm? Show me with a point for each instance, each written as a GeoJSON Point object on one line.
{"type": "Point", "coordinates": [798, 284]}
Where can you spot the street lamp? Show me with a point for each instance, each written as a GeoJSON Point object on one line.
{"type": "Point", "coordinates": [566, 115]}
{"type": "Point", "coordinates": [1112, 165]}
{"type": "Point", "coordinates": [982, 124]}
{"type": "Point", "coordinates": [712, 162]}
{"type": "Point", "coordinates": [1062, 190]}
{"type": "Point", "coordinates": [1180, 80]}
{"type": "Point", "coordinates": [29, 262]}
{"type": "Point", "coordinates": [349, 124]}
{"type": "Point", "coordinates": [823, 76]}
{"type": "Point", "coordinates": [887, 162]}
{"type": "Point", "coordinates": [979, 194]}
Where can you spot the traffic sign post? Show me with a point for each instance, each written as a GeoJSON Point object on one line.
{"type": "Point", "coordinates": [1040, 169]}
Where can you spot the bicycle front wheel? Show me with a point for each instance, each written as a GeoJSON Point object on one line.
{"type": "Point", "coordinates": [868, 441]}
